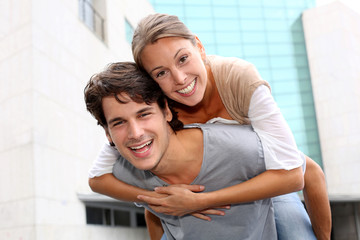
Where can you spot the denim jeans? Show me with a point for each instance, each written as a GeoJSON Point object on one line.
{"type": "Point", "coordinates": [291, 218]}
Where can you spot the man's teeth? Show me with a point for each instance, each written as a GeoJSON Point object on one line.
{"type": "Point", "coordinates": [188, 89]}
{"type": "Point", "coordinates": [141, 146]}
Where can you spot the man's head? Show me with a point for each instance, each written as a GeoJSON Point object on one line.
{"type": "Point", "coordinates": [132, 109]}
{"type": "Point", "coordinates": [124, 78]}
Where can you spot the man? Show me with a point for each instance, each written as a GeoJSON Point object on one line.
{"type": "Point", "coordinates": [157, 151]}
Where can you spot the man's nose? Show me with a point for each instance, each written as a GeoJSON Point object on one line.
{"type": "Point", "coordinates": [135, 130]}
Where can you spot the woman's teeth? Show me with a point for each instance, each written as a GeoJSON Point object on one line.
{"type": "Point", "coordinates": [188, 89]}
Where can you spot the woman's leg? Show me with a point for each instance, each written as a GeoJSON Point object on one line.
{"type": "Point", "coordinates": [292, 220]}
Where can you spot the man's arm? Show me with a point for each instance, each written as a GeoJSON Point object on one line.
{"type": "Point", "coordinates": [316, 200]}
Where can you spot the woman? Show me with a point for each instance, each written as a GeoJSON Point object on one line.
{"type": "Point", "coordinates": [207, 87]}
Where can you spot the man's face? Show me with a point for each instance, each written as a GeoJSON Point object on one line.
{"type": "Point", "coordinates": [139, 131]}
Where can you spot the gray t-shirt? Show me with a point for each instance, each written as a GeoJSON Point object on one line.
{"type": "Point", "coordinates": [232, 154]}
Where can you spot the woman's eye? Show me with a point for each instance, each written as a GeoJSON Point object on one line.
{"type": "Point", "coordinates": [160, 74]}
{"type": "Point", "coordinates": [183, 59]}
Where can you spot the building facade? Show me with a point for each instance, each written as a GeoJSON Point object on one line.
{"type": "Point", "coordinates": [49, 50]}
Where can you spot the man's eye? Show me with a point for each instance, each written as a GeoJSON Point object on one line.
{"type": "Point", "coordinates": [118, 123]}
{"type": "Point", "coordinates": [144, 115]}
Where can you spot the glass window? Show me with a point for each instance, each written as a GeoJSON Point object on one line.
{"type": "Point", "coordinates": [129, 31]}
{"type": "Point", "coordinates": [94, 215]}
{"type": "Point", "coordinates": [121, 218]}
{"type": "Point", "coordinates": [92, 13]}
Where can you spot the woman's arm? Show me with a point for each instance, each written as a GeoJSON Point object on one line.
{"type": "Point", "coordinates": [110, 186]}
{"type": "Point", "coordinates": [316, 200]}
{"type": "Point", "coordinates": [266, 185]}
{"type": "Point", "coordinates": [153, 225]}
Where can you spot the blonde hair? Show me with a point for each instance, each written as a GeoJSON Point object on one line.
{"type": "Point", "coordinates": [157, 26]}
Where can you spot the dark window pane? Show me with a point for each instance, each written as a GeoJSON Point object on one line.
{"type": "Point", "coordinates": [140, 220]}
{"type": "Point", "coordinates": [121, 218]}
{"type": "Point", "coordinates": [94, 215]}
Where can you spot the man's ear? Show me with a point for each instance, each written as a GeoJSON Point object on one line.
{"type": "Point", "coordinates": [201, 48]}
{"type": "Point", "coordinates": [109, 138]}
{"type": "Point", "coordinates": [167, 112]}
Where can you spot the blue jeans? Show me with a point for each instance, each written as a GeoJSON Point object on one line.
{"type": "Point", "coordinates": [291, 218]}
{"type": "Point", "coordinates": [163, 237]}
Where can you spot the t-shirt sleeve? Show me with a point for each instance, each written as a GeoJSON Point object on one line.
{"type": "Point", "coordinates": [280, 150]}
{"type": "Point", "coordinates": [104, 162]}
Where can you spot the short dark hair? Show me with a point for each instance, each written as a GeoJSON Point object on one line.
{"type": "Point", "coordinates": [124, 77]}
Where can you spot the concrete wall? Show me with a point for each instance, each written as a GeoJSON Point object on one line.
{"type": "Point", "coordinates": [332, 34]}
{"type": "Point", "coordinates": [48, 140]}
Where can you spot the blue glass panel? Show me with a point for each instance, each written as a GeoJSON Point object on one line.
{"type": "Point", "coordinates": [199, 11]}
{"type": "Point", "coordinates": [228, 37]}
{"type": "Point", "coordinates": [225, 12]}
{"type": "Point", "coordinates": [232, 3]}
{"type": "Point", "coordinates": [197, 2]}
{"type": "Point", "coordinates": [251, 13]}
{"type": "Point", "coordinates": [196, 25]}
{"type": "Point", "coordinates": [276, 25]}
{"type": "Point", "coordinates": [227, 25]}
{"type": "Point", "coordinates": [279, 37]}
{"type": "Point", "coordinates": [129, 31]}
{"type": "Point", "coordinates": [280, 49]}
{"type": "Point", "coordinates": [253, 37]}
{"type": "Point", "coordinates": [273, 3]}
{"type": "Point", "coordinates": [250, 3]}
{"type": "Point", "coordinates": [274, 13]}
{"type": "Point", "coordinates": [230, 50]}
{"type": "Point", "coordinates": [255, 50]}
{"type": "Point", "coordinates": [252, 25]}
{"type": "Point", "coordinates": [171, 9]}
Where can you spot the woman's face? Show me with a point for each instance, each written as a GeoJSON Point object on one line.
{"type": "Point", "coordinates": [178, 67]}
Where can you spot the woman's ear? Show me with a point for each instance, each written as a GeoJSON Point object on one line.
{"type": "Point", "coordinates": [201, 48]}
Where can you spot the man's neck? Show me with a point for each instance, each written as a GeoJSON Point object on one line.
{"type": "Point", "coordinates": [183, 159]}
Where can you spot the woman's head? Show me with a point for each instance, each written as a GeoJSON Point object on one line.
{"type": "Point", "coordinates": [173, 56]}
{"type": "Point", "coordinates": [157, 26]}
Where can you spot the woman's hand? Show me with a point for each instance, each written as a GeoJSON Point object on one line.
{"type": "Point", "coordinates": [181, 199]}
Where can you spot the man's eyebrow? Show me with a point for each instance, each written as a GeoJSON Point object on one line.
{"type": "Point", "coordinates": [148, 108]}
{"type": "Point", "coordinates": [115, 120]}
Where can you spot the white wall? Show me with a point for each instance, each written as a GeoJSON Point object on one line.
{"type": "Point", "coordinates": [353, 4]}
{"type": "Point", "coordinates": [332, 34]}
{"type": "Point", "coordinates": [48, 140]}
